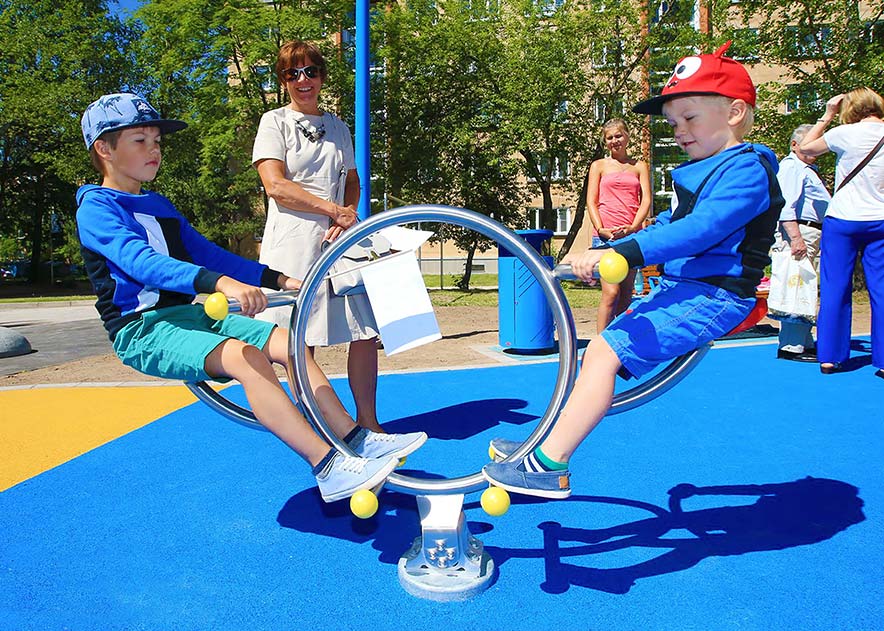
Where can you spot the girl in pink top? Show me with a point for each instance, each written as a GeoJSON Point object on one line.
{"type": "Point", "coordinates": [618, 201]}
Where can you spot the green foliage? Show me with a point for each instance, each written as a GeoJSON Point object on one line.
{"type": "Point", "coordinates": [10, 249]}
{"type": "Point", "coordinates": [474, 97]}
{"type": "Point", "coordinates": [440, 128]}
{"type": "Point", "coordinates": [55, 60]}
{"type": "Point", "coordinates": [823, 48]}
{"type": "Point", "coordinates": [211, 64]}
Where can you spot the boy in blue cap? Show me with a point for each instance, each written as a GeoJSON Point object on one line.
{"type": "Point", "coordinates": [714, 242]}
{"type": "Point", "coordinates": [146, 263]}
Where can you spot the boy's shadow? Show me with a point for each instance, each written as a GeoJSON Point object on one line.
{"type": "Point", "coordinates": [391, 530]}
{"type": "Point", "coordinates": [785, 515]}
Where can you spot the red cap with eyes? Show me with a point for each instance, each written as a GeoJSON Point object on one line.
{"type": "Point", "coordinates": [704, 74]}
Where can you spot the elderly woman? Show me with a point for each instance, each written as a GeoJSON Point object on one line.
{"type": "Point", "coordinates": [305, 158]}
{"type": "Point", "coordinates": [854, 222]}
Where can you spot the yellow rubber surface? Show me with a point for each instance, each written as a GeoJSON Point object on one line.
{"type": "Point", "coordinates": [41, 428]}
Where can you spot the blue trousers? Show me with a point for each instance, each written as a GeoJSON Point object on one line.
{"type": "Point", "coordinates": [842, 242]}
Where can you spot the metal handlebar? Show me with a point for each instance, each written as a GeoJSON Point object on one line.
{"type": "Point", "coordinates": [275, 299]}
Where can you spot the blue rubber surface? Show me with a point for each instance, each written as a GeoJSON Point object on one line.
{"type": "Point", "coordinates": [194, 522]}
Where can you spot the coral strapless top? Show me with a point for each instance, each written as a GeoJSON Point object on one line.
{"type": "Point", "coordinates": [619, 196]}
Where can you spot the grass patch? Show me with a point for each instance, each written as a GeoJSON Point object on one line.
{"type": "Point", "coordinates": [46, 299]}
{"type": "Point", "coordinates": [449, 281]}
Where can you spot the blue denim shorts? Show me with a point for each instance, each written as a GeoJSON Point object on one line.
{"type": "Point", "coordinates": [677, 317]}
{"type": "Point", "coordinates": [597, 242]}
{"type": "Point", "coordinates": [173, 342]}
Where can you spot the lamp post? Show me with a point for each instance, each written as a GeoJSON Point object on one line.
{"type": "Point", "coordinates": [363, 112]}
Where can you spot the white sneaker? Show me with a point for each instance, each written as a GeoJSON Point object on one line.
{"type": "Point", "coordinates": [344, 475]}
{"type": "Point", "coordinates": [368, 444]}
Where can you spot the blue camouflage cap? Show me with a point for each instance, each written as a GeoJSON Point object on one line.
{"type": "Point", "coordinates": [113, 112]}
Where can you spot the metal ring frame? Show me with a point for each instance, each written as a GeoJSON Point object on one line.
{"type": "Point", "coordinates": [483, 225]}
{"type": "Point", "coordinates": [549, 283]}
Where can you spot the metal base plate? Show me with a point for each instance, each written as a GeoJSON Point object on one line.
{"type": "Point", "coordinates": [441, 586]}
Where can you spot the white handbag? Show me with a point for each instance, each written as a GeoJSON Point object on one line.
{"type": "Point", "coordinates": [346, 280]}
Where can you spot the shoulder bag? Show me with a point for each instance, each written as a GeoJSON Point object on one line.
{"type": "Point", "coordinates": [860, 166]}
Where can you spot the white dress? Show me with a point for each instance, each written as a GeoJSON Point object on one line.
{"type": "Point", "coordinates": [292, 239]}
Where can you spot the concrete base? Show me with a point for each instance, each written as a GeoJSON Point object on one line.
{"type": "Point", "coordinates": [13, 344]}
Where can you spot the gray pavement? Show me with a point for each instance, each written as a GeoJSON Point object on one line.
{"type": "Point", "coordinates": [58, 332]}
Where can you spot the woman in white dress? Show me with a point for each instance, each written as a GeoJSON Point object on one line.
{"type": "Point", "coordinates": [305, 157]}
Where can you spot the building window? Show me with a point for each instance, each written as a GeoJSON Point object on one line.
{"type": "Point", "coordinates": [809, 44]}
{"type": "Point", "coordinates": [876, 31]}
{"type": "Point", "coordinates": [483, 6]}
{"type": "Point", "coordinates": [799, 97]}
{"type": "Point", "coordinates": [607, 106]}
{"type": "Point", "coordinates": [563, 220]}
{"type": "Point", "coordinates": [557, 168]}
{"type": "Point", "coordinates": [562, 215]}
{"type": "Point", "coordinates": [663, 179]}
{"type": "Point", "coordinates": [561, 114]}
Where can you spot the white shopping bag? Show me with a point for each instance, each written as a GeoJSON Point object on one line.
{"type": "Point", "coordinates": [793, 286]}
{"type": "Point", "coordinates": [401, 304]}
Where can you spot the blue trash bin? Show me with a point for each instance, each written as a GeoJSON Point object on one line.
{"type": "Point", "coordinates": [525, 319]}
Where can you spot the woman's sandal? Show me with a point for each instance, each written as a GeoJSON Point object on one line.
{"type": "Point", "coordinates": [830, 369]}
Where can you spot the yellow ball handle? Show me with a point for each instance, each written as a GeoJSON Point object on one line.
{"type": "Point", "coordinates": [216, 306]}
{"type": "Point", "coordinates": [363, 503]}
{"type": "Point", "coordinates": [613, 267]}
{"type": "Point", "coordinates": [495, 501]}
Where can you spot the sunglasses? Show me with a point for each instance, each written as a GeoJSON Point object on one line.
{"type": "Point", "coordinates": [293, 74]}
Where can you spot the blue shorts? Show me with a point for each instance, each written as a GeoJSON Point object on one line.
{"type": "Point", "coordinates": [677, 317]}
{"type": "Point", "coordinates": [597, 242]}
{"type": "Point", "coordinates": [173, 342]}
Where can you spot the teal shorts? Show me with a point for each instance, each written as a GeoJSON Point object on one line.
{"type": "Point", "coordinates": [173, 342]}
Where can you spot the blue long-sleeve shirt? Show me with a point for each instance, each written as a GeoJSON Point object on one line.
{"type": "Point", "coordinates": [141, 253]}
{"type": "Point", "coordinates": [723, 236]}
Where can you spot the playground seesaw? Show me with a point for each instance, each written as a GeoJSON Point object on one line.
{"type": "Point", "coordinates": [445, 562]}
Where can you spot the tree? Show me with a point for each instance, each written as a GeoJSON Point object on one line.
{"type": "Point", "coordinates": [211, 62]}
{"type": "Point", "coordinates": [55, 60]}
{"type": "Point", "coordinates": [822, 47]}
{"type": "Point", "coordinates": [527, 82]}
{"type": "Point", "coordinates": [438, 130]}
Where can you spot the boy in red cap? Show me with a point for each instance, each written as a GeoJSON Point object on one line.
{"type": "Point", "coordinates": [714, 242]}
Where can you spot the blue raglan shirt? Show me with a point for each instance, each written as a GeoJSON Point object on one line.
{"type": "Point", "coordinates": [724, 238]}
{"type": "Point", "coordinates": [141, 253]}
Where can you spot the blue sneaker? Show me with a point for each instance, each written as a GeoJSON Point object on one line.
{"type": "Point", "coordinates": [344, 475]}
{"type": "Point", "coordinates": [369, 444]}
{"type": "Point", "coordinates": [515, 477]}
{"type": "Point", "coordinates": [501, 448]}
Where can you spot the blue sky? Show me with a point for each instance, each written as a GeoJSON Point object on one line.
{"type": "Point", "coordinates": [123, 6]}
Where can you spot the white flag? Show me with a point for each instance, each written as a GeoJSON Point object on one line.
{"type": "Point", "coordinates": [401, 304]}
